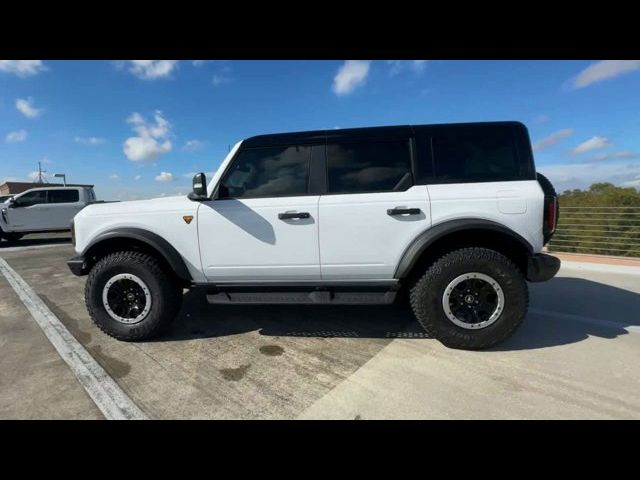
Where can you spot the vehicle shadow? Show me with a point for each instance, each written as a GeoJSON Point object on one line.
{"type": "Point", "coordinates": [29, 242]}
{"type": "Point", "coordinates": [198, 319]}
{"type": "Point", "coordinates": [615, 307]}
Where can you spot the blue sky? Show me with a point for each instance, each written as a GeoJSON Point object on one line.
{"type": "Point", "coordinates": [138, 129]}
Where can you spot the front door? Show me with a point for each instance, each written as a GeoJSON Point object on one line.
{"type": "Point", "coordinates": [31, 212]}
{"type": "Point", "coordinates": [263, 223]}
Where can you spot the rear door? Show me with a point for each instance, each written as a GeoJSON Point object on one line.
{"type": "Point", "coordinates": [63, 206]}
{"type": "Point", "coordinates": [373, 208]}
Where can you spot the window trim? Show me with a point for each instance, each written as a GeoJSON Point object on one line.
{"type": "Point", "coordinates": [409, 140]}
{"type": "Point", "coordinates": [215, 195]}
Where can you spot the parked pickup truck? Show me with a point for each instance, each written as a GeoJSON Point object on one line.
{"type": "Point", "coordinates": [42, 209]}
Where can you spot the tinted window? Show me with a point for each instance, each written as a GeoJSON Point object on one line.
{"type": "Point", "coordinates": [268, 172]}
{"type": "Point", "coordinates": [33, 198]}
{"type": "Point", "coordinates": [63, 196]}
{"type": "Point", "coordinates": [369, 167]}
{"type": "Point", "coordinates": [475, 154]}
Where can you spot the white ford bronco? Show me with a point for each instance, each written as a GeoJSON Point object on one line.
{"type": "Point", "coordinates": [453, 215]}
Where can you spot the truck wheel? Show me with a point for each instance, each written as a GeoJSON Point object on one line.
{"type": "Point", "coordinates": [130, 297]}
{"type": "Point", "coordinates": [471, 299]}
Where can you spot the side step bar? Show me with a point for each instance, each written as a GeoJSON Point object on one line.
{"type": "Point", "coordinates": [310, 297]}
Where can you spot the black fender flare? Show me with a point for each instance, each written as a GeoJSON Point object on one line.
{"type": "Point", "coordinates": [153, 240]}
{"type": "Point", "coordinates": [423, 241]}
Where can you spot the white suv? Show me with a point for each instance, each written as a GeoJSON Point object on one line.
{"type": "Point", "coordinates": [454, 215]}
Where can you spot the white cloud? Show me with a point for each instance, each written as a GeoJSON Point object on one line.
{"type": "Point", "coordinates": [16, 137]}
{"type": "Point", "coordinates": [604, 70]}
{"type": "Point", "coordinates": [33, 176]}
{"type": "Point", "coordinates": [542, 118]}
{"type": "Point", "coordinates": [198, 63]}
{"type": "Point", "coordinates": [193, 145]}
{"type": "Point", "coordinates": [165, 177]}
{"type": "Point", "coordinates": [151, 141]}
{"type": "Point", "coordinates": [22, 68]}
{"type": "Point", "coordinates": [552, 139]}
{"type": "Point", "coordinates": [633, 183]}
{"type": "Point", "coordinates": [398, 66]}
{"type": "Point", "coordinates": [222, 76]}
{"type": "Point", "coordinates": [113, 177]}
{"type": "Point", "coordinates": [137, 177]}
{"type": "Point", "coordinates": [621, 155]}
{"type": "Point", "coordinates": [592, 144]}
{"type": "Point", "coordinates": [90, 140]}
{"type": "Point", "coordinates": [152, 69]}
{"type": "Point", "coordinates": [582, 175]}
{"type": "Point", "coordinates": [351, 75]}
{"type": "Point", "coordinates": [25, 106]}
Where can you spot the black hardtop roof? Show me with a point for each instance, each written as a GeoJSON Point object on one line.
{"type": "Point", "coordinates": [319, 136]}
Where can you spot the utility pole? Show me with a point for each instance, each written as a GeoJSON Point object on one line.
{"type": "Point", "coordinates": [40, 172]}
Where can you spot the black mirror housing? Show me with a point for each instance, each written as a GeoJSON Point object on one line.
{"type": "Point", "coordinates": [199, 192]}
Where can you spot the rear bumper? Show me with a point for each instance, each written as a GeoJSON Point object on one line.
{"type": "Point", "coordinates": [542, 267]}
{"type": "Point", "coordinates": [78, 266]}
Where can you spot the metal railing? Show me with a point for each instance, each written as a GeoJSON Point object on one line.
{"type": "Point", "coordinates": [598, 230]}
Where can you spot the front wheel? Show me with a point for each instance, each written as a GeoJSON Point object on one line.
{"type": "Point", "coordinates": [131, 297]}
{"type": "Point", "coordinates": [471, 299]}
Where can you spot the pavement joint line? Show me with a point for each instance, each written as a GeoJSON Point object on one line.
{"type": "Point", "coordinates": [592, 321]}
{"type": "Point", "coordinates": [103, 390]}
{"type": "Point", "coordinates": [33, 247]}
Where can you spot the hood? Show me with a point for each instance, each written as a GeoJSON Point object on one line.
{"type": "Point", "coordinates": [139, 206]}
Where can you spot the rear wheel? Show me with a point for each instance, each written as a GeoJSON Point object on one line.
{"type": "Point", "coordinates": [130, 297]}
{"type": "Point", "coordinates": [471, 298]}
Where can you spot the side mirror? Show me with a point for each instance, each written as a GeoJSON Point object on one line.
{"type": "Point", "coordinates": [199, 192]}
{"type": "Point", "coordinates": [13, 203]}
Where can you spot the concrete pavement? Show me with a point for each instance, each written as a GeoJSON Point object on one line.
{"type": "Point", "coordinates": [576, 356]}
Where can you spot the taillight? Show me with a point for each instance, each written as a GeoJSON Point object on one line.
{"type": "Point", "coordinates": [73, 233]}
{"type": "Point", "coordinates": [550, 208]}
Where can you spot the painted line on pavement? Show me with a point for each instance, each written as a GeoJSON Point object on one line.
{"type": "Point", "coordinates": [103, 390]}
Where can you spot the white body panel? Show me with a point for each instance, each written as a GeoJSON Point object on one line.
{"type": "Point", "coordinates": [43, 216]}
{"type": "Point", "coordinates": [245, 240]}
{"type": "Point", "coordinates": [515, 205]}
{"type": "Point", "coordinates": [359, 240]}
{"type": "Point", "coordinates": [162, 216]}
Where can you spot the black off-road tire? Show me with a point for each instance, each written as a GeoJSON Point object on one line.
{"type": "Point", "coordinates": [427, 294]}
{"type": "Point", "coordinates": [166, 295]}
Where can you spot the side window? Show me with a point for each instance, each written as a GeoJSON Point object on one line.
{"type": "Point", "coordinates": [378, 166]}
{"type": "Point", "coordinates": [481, 154]}
{"type": "Point", "coordinates": [63, 196]}
{"type": "Point", "coordinates": [33, 198]}
{"type": "Point", "coordinates": [268, 172]}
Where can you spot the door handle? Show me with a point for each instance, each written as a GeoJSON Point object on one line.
{"type": "Point", "coordinates": [292, 215]}
{"type": "Point", "coordinates": [403, 211]}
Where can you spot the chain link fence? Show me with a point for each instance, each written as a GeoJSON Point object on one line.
{"type": "Point", "coordinates": [598, 230]}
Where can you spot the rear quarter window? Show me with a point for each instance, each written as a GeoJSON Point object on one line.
{"type": "Point", "coordinates": [484, 153]}
{"type": "Point", "coordinates": [63, 196]}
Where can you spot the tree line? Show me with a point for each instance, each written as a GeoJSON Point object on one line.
{"type": "Point", "coordinates": [603, 220]}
